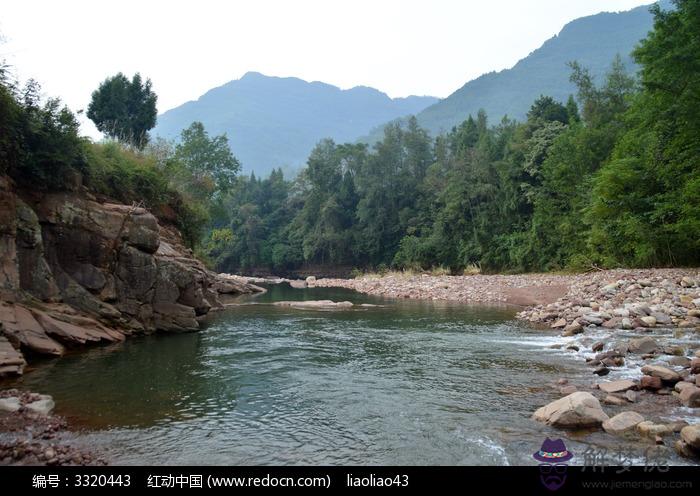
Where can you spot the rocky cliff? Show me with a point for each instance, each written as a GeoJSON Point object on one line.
{"type": "Point", "coordinates": [75, 270]}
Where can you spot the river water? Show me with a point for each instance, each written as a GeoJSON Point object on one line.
{"type": "Point", "coordinates": [406, 382]}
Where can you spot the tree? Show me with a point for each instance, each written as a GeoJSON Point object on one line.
{"type": "Point", "coordinates": [210, 165]}
{"type": "Point", "coordinates": [124, 110]}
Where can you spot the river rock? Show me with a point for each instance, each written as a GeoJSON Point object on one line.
{"type": "Point", "coordinates": [691, 436]}
{"type": "Point", "coordinates": [572, 329]}
{"type": "Point", "coordinates": [617, 386]}
{"type": "Point", "coordinates": [614, 400]}
{"type": "Point", "coordinates": [43, 406]}
{"type": "Point", "coordinates": [577, 410]}
{"type": "Point", "coordinates": [649, 382]}
{"type": "Point", "coordinates": [643, 345]}
{"type": "Point", "coordinates": [690, 397]}
{"type": "Point", "coordinates": [596, 347]}
{"type": "Point", "coordinates": [695, 366]}
{"type": "Point", "coordinates": [601, 371]}
{"type": "Point", "coordinates": [663, 373]}
{"type": "Point", "coordinates": [651, 430]}
{"type": "Point", "coordinates": [631, 396]}
{"type": "Point", "coordinates": [311, 281]}
{"type": "Point", "coordinates": [561, 323]}
{"type": "Point", "coordinates": [622, 423]}
{"type": "Point", "coordinates": [10, 405]}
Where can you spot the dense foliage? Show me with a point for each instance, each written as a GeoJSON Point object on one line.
{"type": "Point", "coordinates": [124, 110]}
{"type": "Point", "coordinates": [41, 150]}
{"type": "Point", "coordinates": [609, 178]}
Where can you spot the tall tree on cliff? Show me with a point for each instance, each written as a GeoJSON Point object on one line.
{"type": "Point", "coordinates": [124, 110]}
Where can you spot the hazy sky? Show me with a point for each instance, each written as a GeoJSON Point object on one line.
{"type": "Point", "coordinates": [402, 47]}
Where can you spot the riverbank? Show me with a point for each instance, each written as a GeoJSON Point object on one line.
{"type": "Point", "coordinates": [31, 435]}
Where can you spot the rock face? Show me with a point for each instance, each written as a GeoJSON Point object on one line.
{"type": "Point", "coordinates": [75, 271]}
{"type": "Point", "coordinates": [578, 410]}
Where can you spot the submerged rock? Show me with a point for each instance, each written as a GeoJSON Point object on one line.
{"type": "Point", "coordinates": [576, 410]}
{"type": "Point", "coordinates": [315, 304]}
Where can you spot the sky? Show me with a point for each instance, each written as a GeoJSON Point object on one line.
{"type": "Point", "coordinates": [401, 47]}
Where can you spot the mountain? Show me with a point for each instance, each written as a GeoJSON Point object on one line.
{"type": "Point", "coordinates": [593, 41]}
{"type": "Point", "coordinates": [273, 122]}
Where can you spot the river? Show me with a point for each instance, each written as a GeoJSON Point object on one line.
{"type": "Point", "coordinates": [406, 382]}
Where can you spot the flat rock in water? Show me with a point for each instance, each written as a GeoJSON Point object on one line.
{"type": "Point", "coordinates": [617, 386]}
{"type": "Point", "coordinates": [623, 422]}
{"type": "Point", "coordinates": [314, 304]}
{"type": "Point", "coordinates": [576, 410]}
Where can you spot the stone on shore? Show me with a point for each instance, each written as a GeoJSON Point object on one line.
{"type": "Point", "coordinates": [617, 386]}
{"type": "Point", "coordinates": [9, 405]}
{"type": "Point", "coordinates": [43, 406]}
{"type": "Point", "coordinates": [572, 329]}
{"type": "Point", "coordinates": [574, 411]}
{"type": "Point", "coordinates": [663, 373]}
{"type": "Point", "coordinates": [622, 423]}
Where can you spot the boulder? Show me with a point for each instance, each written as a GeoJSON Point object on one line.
{"type": "Point", "coordinates": [596, 347]}
{"type": "Point", "coordinates": [622, 423]}
{"type": "Point", "coordinates": [574, 411]}
{"type": "Point", "coordinates": [617, 386]}
{"type": "Point", "coordinates": [663, 373]}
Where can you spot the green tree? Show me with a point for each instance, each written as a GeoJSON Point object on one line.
{"type": "Point", "coordinates": [209, 163]}
{"type": "Point", "coordinates": [124, 110]}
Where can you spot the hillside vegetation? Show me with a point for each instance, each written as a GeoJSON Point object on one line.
{"type": "Point", "coordinates": [608, 178]}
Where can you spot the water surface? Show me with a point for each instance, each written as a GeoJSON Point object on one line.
{"type": "Point", "coordinates": [407, 382]}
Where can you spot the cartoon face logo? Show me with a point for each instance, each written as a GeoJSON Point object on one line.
{"type": "Point", "coordinates": [552, 456]}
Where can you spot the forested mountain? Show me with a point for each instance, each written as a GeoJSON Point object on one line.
{"type": "Point", "coordinates": [592, 41]}
{"type": "Point", "coordinates": [275, 122]}
{"type": "Point", "coordinates": [606, 178]}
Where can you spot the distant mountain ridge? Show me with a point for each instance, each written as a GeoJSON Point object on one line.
{"type": "Point", "coordinates": [273, 121]}
{"type": "Point", "coordinates": [593, 41]}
